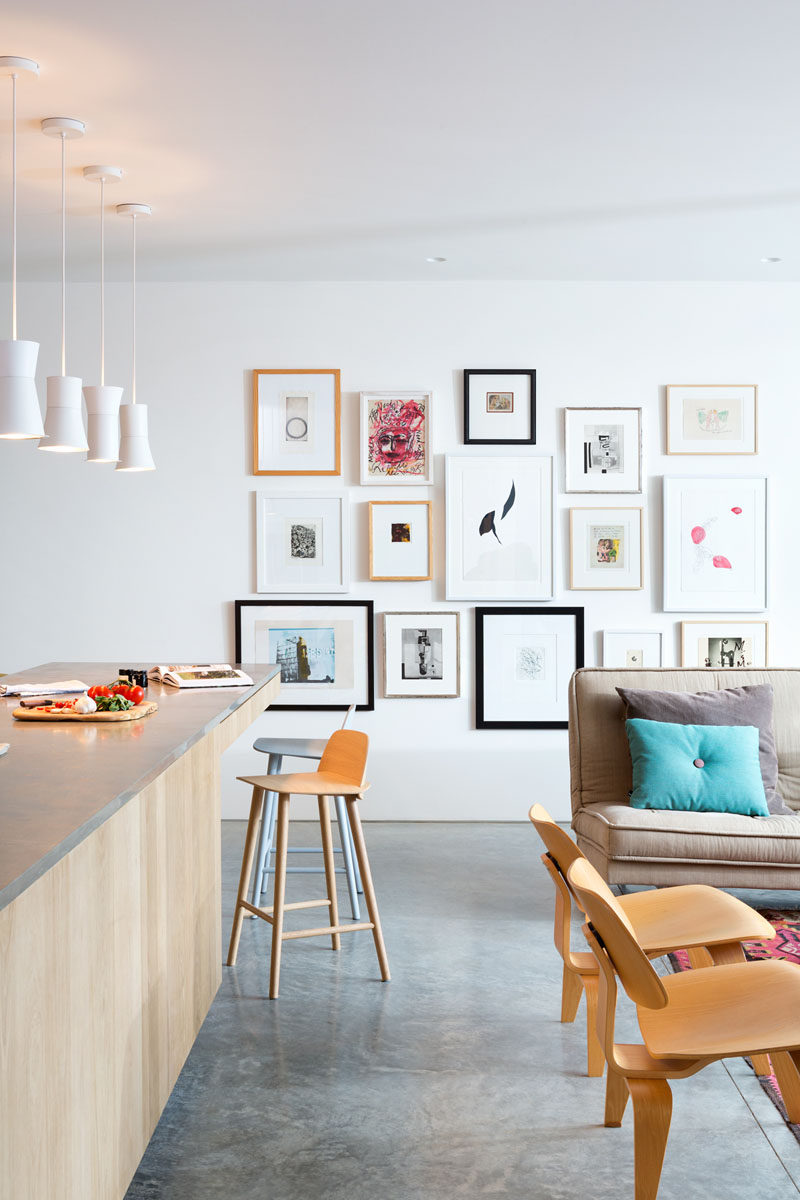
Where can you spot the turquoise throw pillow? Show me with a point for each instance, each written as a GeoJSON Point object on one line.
{"type": "Point", "coordinates": [696, 768]}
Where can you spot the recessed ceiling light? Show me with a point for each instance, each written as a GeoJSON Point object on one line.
{"type": "Point", "coordinates": [435, 258]}
{"type": "Point", "coordinates": [766, 260]}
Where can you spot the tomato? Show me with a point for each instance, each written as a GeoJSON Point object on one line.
{"type": "Point", "coordinates": [136, 695]}
{"type": "Point", "coordinates": [121, 689]}
{"type": "Point", "coordinates": [98, 690]}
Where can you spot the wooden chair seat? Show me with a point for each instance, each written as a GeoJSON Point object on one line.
{"type": "Point", "coordinates": [306, 783]}
{"type": "Point", "coordinates": [692, 915]}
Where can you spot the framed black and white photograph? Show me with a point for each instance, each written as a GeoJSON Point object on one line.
{"type": "Point", "coordinates": [499, 528]}
{"type": "Point", "coordinates": [524, 659]}
{"type": "Point", "coordinates": [633, 648]}
{"type": "Point", "coordinates": [712, 418]}
{"type": "Point", "coordinates": [421, 655]}
{"type": "Point", "coordinates": [499, 407]}
{"type": "Point", "coordinates": [603, 449]}
{"type": "Point", "coordinates": [400, 540]}
{"type": "Point", "coordinates": [606, 549]}
{"type": "Point", "coordinates": [296, 422]}
{"type": "Point", "coordinates": [723, 644]}
{"type": "Point", "coordinates": [324, 648]}
{"type": "Point", "coordinates": [302, 543]}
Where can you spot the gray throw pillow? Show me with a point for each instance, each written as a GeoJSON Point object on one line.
{"type": "Point", "coordinates": [748, 705]}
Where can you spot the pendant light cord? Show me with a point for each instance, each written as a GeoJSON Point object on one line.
{"type": "Point", "coordinates": [13, 208]}
{"type": "Point", "coordinates": [63, 253]}
{"type": "Point", "coordinates": [102, 282]}
{"type": "Point", "coordinates": [133, 276]}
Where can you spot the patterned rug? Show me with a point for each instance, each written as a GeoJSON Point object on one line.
{"type": "Point", "coordinates": [785, 944]}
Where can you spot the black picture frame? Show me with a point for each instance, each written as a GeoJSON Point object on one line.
{"type": "Point", "coordinates": [481, 614]}
{"type": "Point", "coordinates": [241, 606]}
{"type": "Point", "coordinates": [474, 374]}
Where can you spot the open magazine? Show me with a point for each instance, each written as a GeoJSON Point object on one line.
{"type": "Point", "coordinates": [188, 675]}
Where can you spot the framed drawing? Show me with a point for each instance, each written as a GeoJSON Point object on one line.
{"type": "Point", "coordinates": [421, 655]}
{"type": "Point", "coordinates": [723, 644]}
{"type": "Point", "coordinates": [302, 543]}
{"type": "Point", "coordinates": [715, 544]}
{"type": "Point", "coordinates": [400, 539]}
{"type": "Point", "coordinates": [296, 422]}
{"type": "Point", "coordinates": [499, 528]}
{"type": "Point", "coordinates": [396, 437]}
{"type": "Point", "coordinates": [499, 408]}
{"type": "Point", "coordinates": [712, 418]}
{"type": "Point", "coordinates": [325, 650]}
{"type": "Point", "coordinates": [606, 549]}
{"type": "Point", "coordinates": [524, 658]}
{"type": "Point", "coordinates": [640, 648]}
{"type": "Point", "coordinates": [603, 449]}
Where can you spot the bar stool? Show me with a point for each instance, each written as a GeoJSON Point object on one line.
{"type": "Point", "coordinates": [340, 773]}
{"type": "Point", "coordinates": [311, 748]}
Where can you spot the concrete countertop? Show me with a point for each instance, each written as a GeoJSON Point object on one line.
{"type": "Point", "coordinates": [59, 782]}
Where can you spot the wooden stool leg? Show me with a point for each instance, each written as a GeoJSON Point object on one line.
{"type": "Point", "coordinates": [366, 882]}
{"type": "Point", "coordinates": [571, 992]}
{"type": "Point", "coordinates": [330, 868]}
{"type": "Point", "coordinates": [244, 877]}
{"type": "Point", "coordinates": [732, 952]}
{"type": "Point", "coordinates": [595, 1058]}
{"type": "Point", "coordinates": [281, 854]}
{"type": "Point", "coordinates": [616, 1099]}
{"type": "Point", "coordinates": [699, 957]}
{"type": "Point", "coordinates": [652, 1111]}
{"type": "Point", "coordinates": [785, 1064]}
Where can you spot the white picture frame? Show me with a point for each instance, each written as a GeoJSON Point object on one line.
{"type": "Point", "coordinates": [635, 649]}
{"type": "Point", "coordinates": [725, 645]}
{"type": "Point", "coordinates": [302, 542]}
{"type": "Point", "coordinates": [606, 549]}
{"type": "Point", "coordinates": [603, 450]}
{"type": "Point", "coordinates": [715, 544]}
{"type": "Point", "coordinates": [712, 418]}
{"type": "Point", "coordinates": [396, 446]}
{"type": "Point", "coordinates": [499, 543]}
{"type": "Point", "coordinates": [421, 655]}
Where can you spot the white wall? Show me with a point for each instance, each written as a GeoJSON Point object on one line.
{"type": "Point", "coordinates": [125, 567]}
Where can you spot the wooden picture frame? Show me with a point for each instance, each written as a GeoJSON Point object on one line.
{"type": "Point", "coordinates": [712, 418]}
{"type": "Point", "coordinates": [297, 422]}
{"type": "Point", "coordinates": [725, 645]}
{"type": "Point", "coordinates": [499, 407]}
{"type": "Point", "coordinates": [428, 647]}
{"type": "Point", "coordinates": [400, 540]}
{"type": "Point", "coordinates": [606, 549]}
{"type": "Point", "coordinates": [395, 438]}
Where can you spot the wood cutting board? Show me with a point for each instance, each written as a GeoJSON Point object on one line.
{"type": "Point", "coordinates": [130, 714]}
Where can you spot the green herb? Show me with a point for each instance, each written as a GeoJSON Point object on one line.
{"type": "Point", "coordinates": [112, 703]}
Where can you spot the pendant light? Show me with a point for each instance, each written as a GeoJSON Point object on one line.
{"type": "Point", "coordinates": [102, 401]}
{"type": "Point", "coordinates": [134, 448]}
{"type": "Point", "coordinates": [63, 423]}
{"type": "Point", "coordinates": [20, 416]}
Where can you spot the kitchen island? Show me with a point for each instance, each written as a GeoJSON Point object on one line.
{"type": "Point", "coordinates": [110, 940]}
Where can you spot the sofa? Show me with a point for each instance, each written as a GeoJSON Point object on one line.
{"type": "Point", "coordinates": [641, 846]}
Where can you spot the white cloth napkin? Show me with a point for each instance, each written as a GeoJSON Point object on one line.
{"type": "Point", "coordinates": [42, 689]}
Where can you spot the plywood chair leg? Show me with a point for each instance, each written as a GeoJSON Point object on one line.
{"type": "Point", "coordinates": [571, 992]}
{"type": "Point", "coordinates": [616, 1099]}
{"type": "Point", "coordinates": [244, 877]}
{"type": "Point", "coordinates": [369, 891]}
{"type": "Point", "coordinates": [699, 957]}
{"type": "Point", "coordinates": [785, 1065]}
{"type": "Point", "coordinates": [330, 869]}
{"type": "Point", "coordinates": [732, 952]}
{"type": "Point", "coordinates": [652, 1111]}
{"type": "Point", "coordinates": [281, 854]}
{"type": "Point", "coordinates": [595, 1058]}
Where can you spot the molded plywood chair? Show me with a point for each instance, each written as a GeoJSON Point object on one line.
{"type": "Point", "coordinates": [340, 773]}
{"type": "Point", "coordinates": [708, 923]}
{"type": "Point", "coordinates": [687, 1021]}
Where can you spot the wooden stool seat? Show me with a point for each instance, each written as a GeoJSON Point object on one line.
{"type": "Point", "coordinates": [340, 773]}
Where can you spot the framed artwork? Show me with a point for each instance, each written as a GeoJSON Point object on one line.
{"type": "Point", "coordinates": [421, 655]}
{"type": "Point", "coordinates": [606, 549]}
{"type": "Point", "coordinates": [603, 449]}
{"type": "Point", "coordinates": [712, 418]}
{"type": "Point", "coordinates": [642, 648]}
{"type": "Point", "coordinates": [715, 544]}
{"type": "Point", "coordinates": [400, 539]}
{"type": "Point", "coordinates": [499, 408]}
{"type": "Point", "coordinates": [723, 644]}
{"type": "Point", "coordinates": [499, 528]}
{"type": "Point", "coordinates": [302, 543]}
{"type": "Point", "coordinates": [325, 650]}
{"type": "Point", "coordinates": [296, 422]}
{"type": "Point", "coordinates": [396, 437]}
{"type": "Point", "coordinates": [524, 658]}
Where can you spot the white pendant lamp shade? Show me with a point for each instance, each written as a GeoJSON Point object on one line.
{"type": "Point", "coordinates": [134, 446]}
{"type": "Point", "coordinates": [20, 416]}
{"type": "Point", "coordinates": [63, 422]}
{"type": "Point", "coordinates": [102, 410]}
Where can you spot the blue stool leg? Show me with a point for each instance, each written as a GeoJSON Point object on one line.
{"type": "Point", "coordinates": [348, 856]}
{"type": "Point", "coordinates": [353, 855]}
{"type": "Point", "coordinates": [268, 812]}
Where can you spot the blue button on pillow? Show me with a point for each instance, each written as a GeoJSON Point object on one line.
{"type": "Point", "coordinates": [696, 768]}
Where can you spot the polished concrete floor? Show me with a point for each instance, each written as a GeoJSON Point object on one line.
{"type": "Point", "coordinates": [455, 1079]}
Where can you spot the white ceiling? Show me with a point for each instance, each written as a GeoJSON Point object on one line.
{"type": "Point", "coordinates": [351, 139]}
